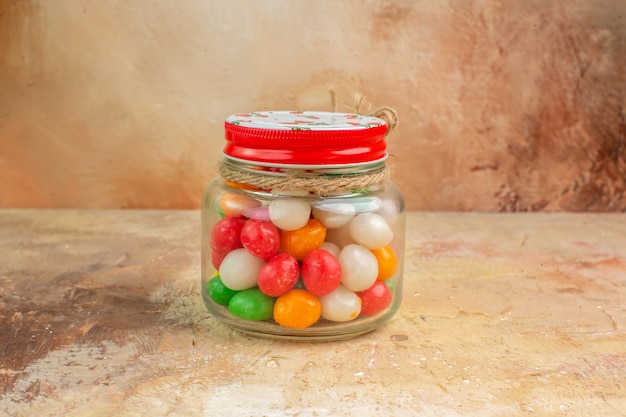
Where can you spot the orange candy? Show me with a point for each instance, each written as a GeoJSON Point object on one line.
{"type": "Point", "coordinates": [387, 262]}
{"type": "Point", "coordinates": [233, 205]}
{"type": "Point", "coordinates": [297, 309]}
{"type": "Point", "coordinates": [300, 242]}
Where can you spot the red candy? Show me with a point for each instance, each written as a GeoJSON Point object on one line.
{"type": "Point", "coordinates": [217, 258]}
{"type": "Point", "coordinates": [260, 238]}
{"type": "Point", "coordinates": [321, 272]}
{"type": "Point", "coordinates": [279, 275]}
{"type": "Point", "coordinates": [375, 299]}
{"type": "Point", "coordinates": [225, 238]}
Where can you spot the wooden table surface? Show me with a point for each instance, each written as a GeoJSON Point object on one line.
{"type": "Point", "coordinates": [503, 315]}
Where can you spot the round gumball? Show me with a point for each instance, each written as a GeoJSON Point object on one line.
{"type": "Point", "coordinates": [387, 262]}
{"type": "Point", "coordinates": [290, 213]}
{"type": "Point", "coordinates": [258, 213]}
{"type": "Point", "coordinates": [217, 258]}
{"type": "Point", "coordinates": [219, 292]}
{"type": "Point", "coordinates": [333, 215]}
{"type": "Point", "coordinates": [389, 211]}
{"type": "Point", "coordinates": [340, 305]}
{"type": "Point", "coordinates": [240, 269]}
{"type": "Point", "coordinates": [225, 234]}
{"type": "Point", "coordinates": [300, 242]}
{"type": "Point", "coordinates": [321, 272]}
{"type": "Point", "coordinates": [260, 238]}
{"type": "Point", "coordinates": [297, 309]}
{"type": "Point", "coordinates": [234, 205]}
{"type": "Point", "coordinates": [359, 267]}
{"type": "Point", "coordinates": [375, 299]}
{"type": "Point", "coordinates": [370, 230]}
{"type": "Point", "coordinates": [225, 237]}
{"type": "Point", "coordinates": [251, 304]}
{"type": "Point", "coordinates": [279, 275]}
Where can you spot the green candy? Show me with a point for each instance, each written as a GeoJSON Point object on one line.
{"type": "Point", "coordinates": [252, 304]}
{"type": "Point", "coordinates": [219, 292]}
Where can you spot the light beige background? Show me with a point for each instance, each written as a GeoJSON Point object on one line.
{"type": "Point", "coordinates": [504, 105]}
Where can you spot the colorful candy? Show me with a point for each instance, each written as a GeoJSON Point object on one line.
{"type": "Point", "coordinates": [219, 292]}
{"type": "Point", "coordinates": [297, 309]}
{"type": "Point", "coordinates": [387, 262]}
{"type": "Point", "coordinates": [225, 237]}
{"type": "Point", "coordinates": [321, 272]}
{"type": "Point", "coordinates": [375, 299]}
{"type": "Point", "coordinates": [333, 215]}
{"type": "Point", "coordinates": [279, 275]}
{"type": "Point", "coordinates": [276, 262]}
{"type": "Point", "coordinates": [260, 238]}
{"type": "Point", "coordinates": [240, 269]}
{"type": "Point", "coordinates": [251, 304]}
{"type": "Point", "coordinates": [358, 266]}
{"type": "Point", "coordinates": [289, 214]}
{"type": "Point", "coordinates": [389, 211]}
{"type": "Point", "coordinates": [300, 242]}
{"type": "Point", "coordinates": [340, 305]}
{"type": "Point", "coordinates": [258, 213]}
{"type": "Point", "coordinates": [234, 205]}
{"type": "Point", "coordinates": [370, 230]}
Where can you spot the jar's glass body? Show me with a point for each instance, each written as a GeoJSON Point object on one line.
{"type": "Point", "coordinates": [247, 287]}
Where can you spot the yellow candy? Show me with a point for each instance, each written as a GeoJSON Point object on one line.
{"type": "Point", "coordinates": [387, 262]}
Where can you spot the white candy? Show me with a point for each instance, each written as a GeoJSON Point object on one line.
{"type": "Point", "coordinates": [289, 214]}
{"type": "Point", "coordinates": [370, 230]}
{"type": "Point", "coordinates": [340, 305]}
{"type": "Point", "coordinates": [389, 211]}
{"type": "Point", "coordinates": [332, 248]}
{"type": "Point", "coordinates": [333, 215]}
{"type": "Point", "coordinates": [240, 269]}
{"type": "Point", "coordinates": [359, 267]}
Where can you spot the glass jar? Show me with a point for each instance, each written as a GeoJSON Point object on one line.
{"type": "Point", "coordinates": [303, 233]}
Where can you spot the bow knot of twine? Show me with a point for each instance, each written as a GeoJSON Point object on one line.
{"type": "Point", "coordinates": [322, 184]}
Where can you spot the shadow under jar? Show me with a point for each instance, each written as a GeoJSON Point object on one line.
{"type": "Point", "coordinates": [303, 232]}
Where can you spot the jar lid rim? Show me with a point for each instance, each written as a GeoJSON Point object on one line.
{"type": "Point", "coordinates": [305, 137]}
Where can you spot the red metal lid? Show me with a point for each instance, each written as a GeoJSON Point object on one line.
{"type": "Point", "coordinates": [305, 138]}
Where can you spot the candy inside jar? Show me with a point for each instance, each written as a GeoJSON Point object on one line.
{"type": "Point", "coordinates": [310, 261]}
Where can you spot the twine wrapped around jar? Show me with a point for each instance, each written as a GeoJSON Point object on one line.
{"type": "Point", "coordinates": [291, 180]}
{"type": "Point", "coordinates": [320, 184]}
